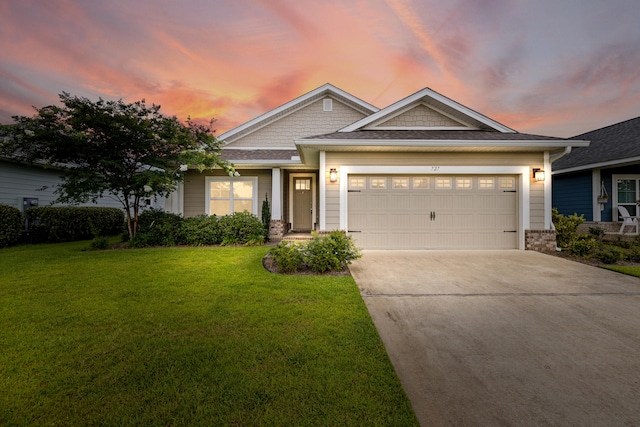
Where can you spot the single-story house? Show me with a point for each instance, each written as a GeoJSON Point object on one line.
{"type": "Point", "coordinates": [423, 173]}
{"type": "Point", "coordinates": [593, 181]}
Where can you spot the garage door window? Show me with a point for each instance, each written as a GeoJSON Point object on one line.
{"type": "Point", "coordinates": [486, 183]}
{"type": "Point", "coordinates": [356, 183]}
{"type": "Point", "coordinates": [401, 183]}
{"type": "Point", "coordinates": [463, 183]}
{"type": "Point", "coordinates": [378, 183]}
{"type": "Point", "coordinates": [443, 183]}
{"type": "Point", "coordinates": [507, 183]}
{"type": "Point", "coordinates": [421, 183]}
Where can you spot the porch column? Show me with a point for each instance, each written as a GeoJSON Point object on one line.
{"type": "Point", "coordinates": [322, 180]}
{"type": "Point", "coordinates": [595, 192]}
{"type": "Point", "coordinates": [548, 201]}
{"type": "Point", "coordinates": [276, 194]}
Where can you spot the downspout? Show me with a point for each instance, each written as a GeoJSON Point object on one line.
{"type": "Point", "coordinates": [553, 158]}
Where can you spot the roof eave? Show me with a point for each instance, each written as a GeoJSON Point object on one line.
{"type": "Point", "coordinates": [611, 163]}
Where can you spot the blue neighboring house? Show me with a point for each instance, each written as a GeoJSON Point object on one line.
{"type": "Point", "coordinates": [595, 180]}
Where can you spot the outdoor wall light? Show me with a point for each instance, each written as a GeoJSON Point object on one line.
{"type": "Point", "coordinates": [333, 175]}
{"type": "Point", "coordinates": [538, 174]}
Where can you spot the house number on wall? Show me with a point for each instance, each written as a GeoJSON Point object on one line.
{"type": "Point", "coordinates": [435, 168]}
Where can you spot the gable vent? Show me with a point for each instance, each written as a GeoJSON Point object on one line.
{"type": "Point", "coordinates": [327, 104]}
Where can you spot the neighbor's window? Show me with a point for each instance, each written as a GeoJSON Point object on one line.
{"type": "Point", "coordinates": [226, 196]}
{"type": "Point", "coordinates": [628, 191]}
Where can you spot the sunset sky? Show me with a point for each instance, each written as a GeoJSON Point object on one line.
{"type": "Point", "coordinates": [550, 67]}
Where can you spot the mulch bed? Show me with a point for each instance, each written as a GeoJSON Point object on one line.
{"type": "Point", "coordinates": [271, 266]}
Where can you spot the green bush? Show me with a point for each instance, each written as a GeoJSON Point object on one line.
{"type": "Point", "coordinates": [582, 245]}
{"type": "Point", "coordinates": [566, 227]}
{"type": "Point", "coordinates": [201, 230]}
{"type": "Point", "coordinates": [609, 254]}
{"type": "Point", "coordinates": [288, 256]}
{"type": "Point", "coordinates": [11, 223]}
{"type": "Point", "coordinates": [332, 252]}
{"type": "Point", "coordinates": [266, 217]}
{"type": "Point", "coordinates": [157, 228]}
{"type": "Point", "coordinates": [241, 228]}
{"type": "Point", "coordinates": [69, 223]}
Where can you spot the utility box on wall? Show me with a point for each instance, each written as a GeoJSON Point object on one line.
{"type": "Point", "coordinates": [28, 202]}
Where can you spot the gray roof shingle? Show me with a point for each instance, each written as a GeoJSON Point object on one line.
{"type": "Point", "coordinates": [460, 135]}
{"type": "Point", "coordinates": [608, 144]}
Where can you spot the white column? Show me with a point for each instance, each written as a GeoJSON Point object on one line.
{"type": "Point", "coordinates": [548, 200]}
{"type": "Point", "coordinates": [174, 203]}
{"type": "Point", "coordinates": [276, 194]}
{"type": "Point", "coordinates": [322, 179]}
{"type": "Point", "coordinates": [595, 192]}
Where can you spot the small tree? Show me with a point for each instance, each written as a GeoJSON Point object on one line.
{"type": "Point", "coordinates": [129, 151]}
{"type": "Point", "coordinates": [266, 217]}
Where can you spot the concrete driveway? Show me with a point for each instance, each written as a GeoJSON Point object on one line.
{"type": "Point", "coordinates": [493, 338]}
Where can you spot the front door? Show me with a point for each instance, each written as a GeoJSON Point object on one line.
{"type": "Point", "coordinates": [302, 204]}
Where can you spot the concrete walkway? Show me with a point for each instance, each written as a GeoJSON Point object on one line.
{"type": "Point", "coordinates": [488, 338]}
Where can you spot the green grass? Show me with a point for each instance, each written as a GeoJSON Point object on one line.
{"type": "Point", "coordinates": [632, 270]}
{"type": "Point", "coordinates": [185, 336]}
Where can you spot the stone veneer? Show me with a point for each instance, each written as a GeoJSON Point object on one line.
{"type": "Point", "coordinates": [276, 229]}
{"type": "Point", "coordinates": [540, 240]}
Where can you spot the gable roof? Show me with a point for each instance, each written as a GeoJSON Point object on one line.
{"type": "Point", "coordinates": [467, 117]}
{"type": "Point", "coordinates": [294, 105]}
{"type": "Point", "coordinates": [613, 145]}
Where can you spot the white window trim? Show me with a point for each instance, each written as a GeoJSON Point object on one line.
{"type": "Point", "coordinates": [254, 195]}
{"type": "Point", "coordinates": [523, 185]}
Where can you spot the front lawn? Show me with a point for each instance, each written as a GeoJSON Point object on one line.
{"type": "Point", "coordinates": [185, 336]}
{"type": "Point", "coordinates": [632, 270]}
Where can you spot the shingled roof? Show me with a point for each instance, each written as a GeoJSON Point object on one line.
{"type": "Point", "coordinates": [610, 145]}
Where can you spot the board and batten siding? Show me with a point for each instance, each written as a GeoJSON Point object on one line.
{"type": "Point", "coordinates": [18, 181]}
{"type": "Point", "coordinates": [194, 188]}
{"type": "Point", "coordinates": [337, 159]}
{"type": "Point", "coordinates": [572, 194]}
{"type": "Point", "coordinates": [307, 121]}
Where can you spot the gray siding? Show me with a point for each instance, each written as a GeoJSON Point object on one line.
{"type": "Point", "coordinates": [194, 188]}
{"type": "Point", "coordinates": [18, 181]}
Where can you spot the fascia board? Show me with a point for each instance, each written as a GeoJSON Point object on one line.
{"type": "Point", "coordinates": [618, 162]}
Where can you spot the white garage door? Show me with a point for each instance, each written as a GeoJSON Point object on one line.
{"type": "Point", "coordinates": [433, 212]}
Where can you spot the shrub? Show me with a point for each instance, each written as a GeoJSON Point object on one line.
{"type": "Point", "coordinates": [582, 245]}
{"type": "Point", "coordinates": [241, 228]}
{"type": "Point", "coordinates": [596, 232]}
{"type": "Point", "coordinates": [609, 254]}
{"type": "Point", "coordinates": [566, 227]}
{"type": "Point", "coordinates": [156, 228]}
{"type": "Point", "coordinates": [201, 230]}
{"type": "Point", "coordinates": [11, 223]}
{"type": "Point", "coordinates": [288, 256]}
{"type": "Point", "coordinates": [68, 223]}
{"type": "Point", "coordinates": [332, 252]}
{"type": "Point", "coordinates": [266, 217]}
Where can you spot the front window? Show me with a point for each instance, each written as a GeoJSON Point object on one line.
{"type": "Point", "coordinates": [628, 192]}
{"type": "Point", "coordinates": [226, 196]}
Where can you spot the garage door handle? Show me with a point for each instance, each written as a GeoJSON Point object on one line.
{"type": "Point", "coordinates": [510, 231]}
{"type": "Point", "coordinates": [354, 231]}
{"type": "Point", "coordinates": [432, 216]}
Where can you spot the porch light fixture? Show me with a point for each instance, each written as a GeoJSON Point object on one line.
{"type": "Point", "coordinates": [333, 175]}
{"type": "Point", "coordinates": [538, 174]}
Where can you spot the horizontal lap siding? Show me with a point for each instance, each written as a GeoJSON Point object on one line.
{"type": "Point", "coordinates": [572, 194]}
{"type": "Point", "coordinates": [194, 188]}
